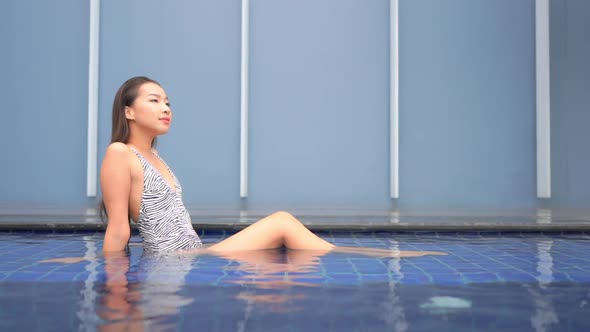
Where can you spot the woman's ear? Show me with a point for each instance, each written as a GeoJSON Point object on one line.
{"type": "Point", "coordinates": [129, 113]}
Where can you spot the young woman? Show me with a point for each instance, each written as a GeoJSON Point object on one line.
{"type": "Point", "coordinates": [137, 183]}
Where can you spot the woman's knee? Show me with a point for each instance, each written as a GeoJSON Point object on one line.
{"type": "Point", "coordinates": [283, 215]}
{"type": "Point", "coordinates": [285, 218]}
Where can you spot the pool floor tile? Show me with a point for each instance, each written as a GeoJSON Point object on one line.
{"type": "Point", "coordinates": [472, 258]}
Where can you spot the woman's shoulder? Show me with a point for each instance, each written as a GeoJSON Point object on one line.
{"type": "Point", "coordinates": [118, 148]}
{"type": "Point", "coordinates": [117, 151]}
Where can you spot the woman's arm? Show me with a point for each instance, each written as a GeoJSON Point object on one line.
{"type": "Point", "coordinates": [115, 181]}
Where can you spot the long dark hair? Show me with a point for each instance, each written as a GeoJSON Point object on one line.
{"type": "Point", "coordinates": [124, 97]}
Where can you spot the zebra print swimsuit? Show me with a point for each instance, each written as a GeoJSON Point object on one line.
{"type": "Point", "coordinates": [163, 222]}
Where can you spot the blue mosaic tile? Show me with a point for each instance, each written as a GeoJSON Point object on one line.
{"type": "Point", "coordinates": [472, 257]}
{"type": "Point", "coordinates": [475, 277]}
{"type": "Point", "coordinates": [59, 276]}
{"type": "Point", "coordinates": [579, 276]}
{"type": "Point", "coordinates": [416, 278]}
{"type": "Point", "coordinates": [343, 279]}
{"type": "Point", "coordinates": [81, 276]}
{"type": "Point", "coordinates": [23, 276]}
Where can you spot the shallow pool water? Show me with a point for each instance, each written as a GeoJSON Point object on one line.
{"type": "Point", "coordinates": [486, 282]}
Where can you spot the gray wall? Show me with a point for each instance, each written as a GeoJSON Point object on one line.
{"type": "Point", "coordinates": [570, 100]}
{"type": "Point", "coordinates": [193, 49]}
{"type": "Point", "coordinates": [467, 104]}
{"type": "Point", "coordinates": [319, 103]}
{"type": "Point", "coordinates": [319, 116]}
{"type": "Point", "coordinates": [43, 65]}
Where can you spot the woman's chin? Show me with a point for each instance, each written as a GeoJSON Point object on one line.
{"type": "Point", "coordinates": [162, 131]}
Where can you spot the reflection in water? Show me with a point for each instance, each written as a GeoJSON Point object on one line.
{"type": "Point", "coordinates": [545, 314]}
{"type": "Point", "coordinates": [87, 294]}
{"type": "Point", "coordinates": [271, 277]}
{"type": "Point", "coordinates": [266, 273]}
{"type": "Point", "coordinates": [118, 301]}
{"type": "Point", "coordinates": [274, 269]}
{"type": "Point", "coordinates": [544, 262]}
{"type": "Point", "coordinates": [145, 298]}
{"type": "Point", "coordinates": [271, 281]}
{"type": "Point", "coordinates": [393, 310]}
{"type": "Point", "coordinates": [247, 313]}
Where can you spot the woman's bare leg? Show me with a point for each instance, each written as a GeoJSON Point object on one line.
{"type": "Point", "coordinates": [275, 231]}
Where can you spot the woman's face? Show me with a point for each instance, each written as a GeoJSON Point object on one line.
{"type": "Point", "coordinates": [150, 110]}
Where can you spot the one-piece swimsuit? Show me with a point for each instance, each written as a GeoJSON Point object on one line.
{"type": "Point", "coordinates": [163, 222]}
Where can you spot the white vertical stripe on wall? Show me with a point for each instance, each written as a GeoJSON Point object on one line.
{"type": "Point", "coordinates": [244, 102]}
{"type": "Point", "coordinates": [394, 96]}
{"type": "Point", "coordinates": [543, 99]}
{"type": "Point", "coordinates": [91, 158]}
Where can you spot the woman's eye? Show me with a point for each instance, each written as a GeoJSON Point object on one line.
{"type": "Point", "coordinates": [168, 104]}
{"type": "Point", "coordinates": [154, 100]}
